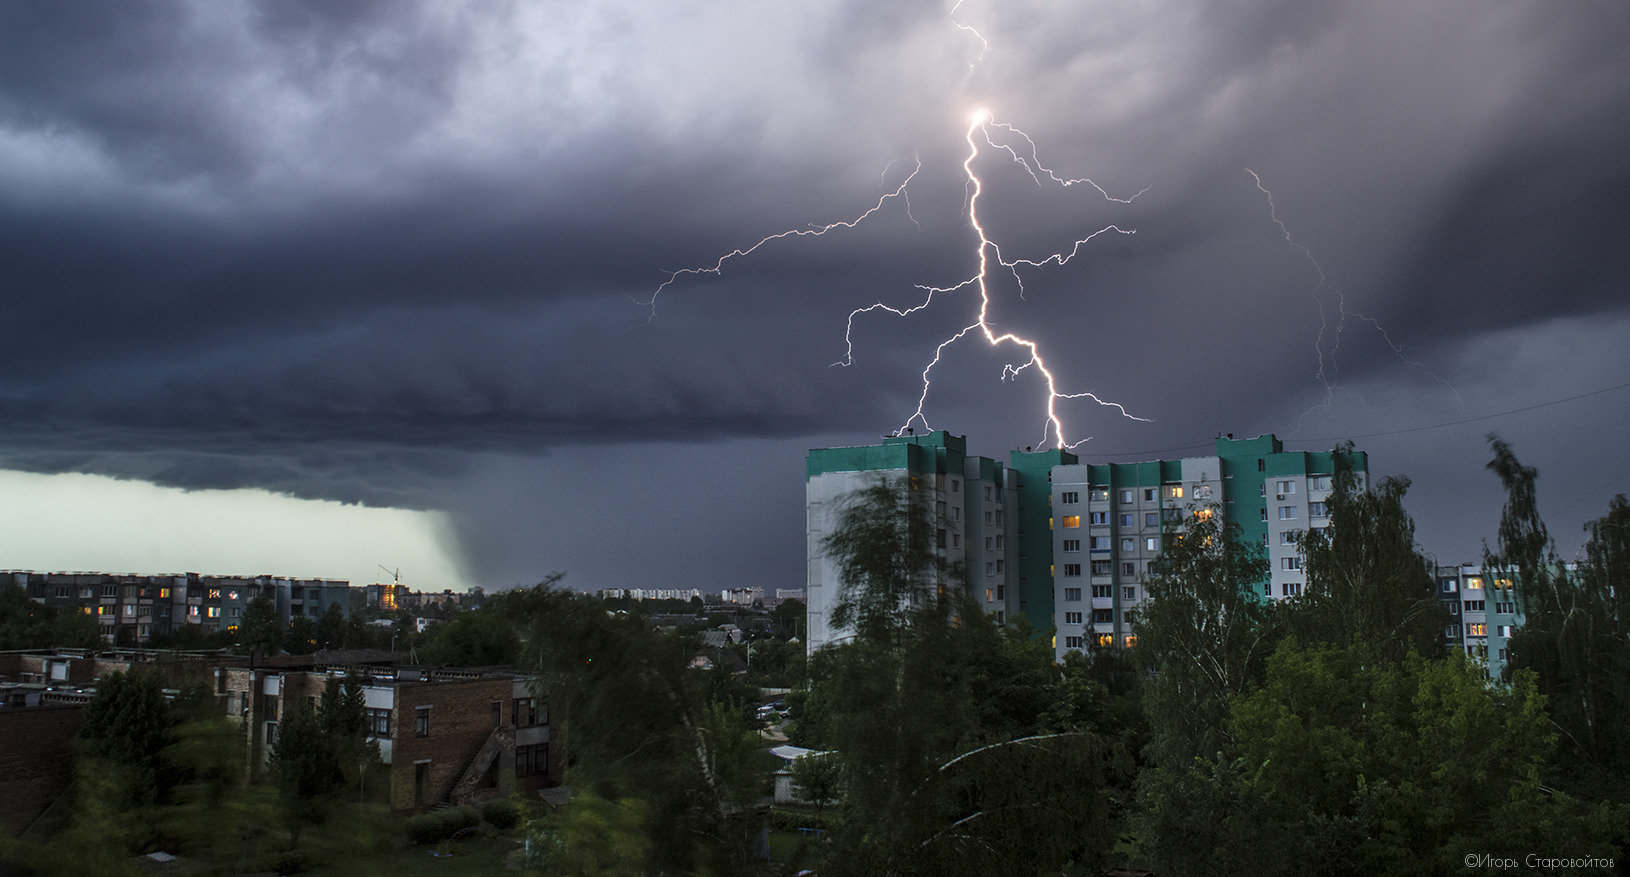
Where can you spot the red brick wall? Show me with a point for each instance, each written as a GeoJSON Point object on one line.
{"type": "Point", "coordinates": [36, 765]}
{"type": "Point", "coordinates": [460, 722]}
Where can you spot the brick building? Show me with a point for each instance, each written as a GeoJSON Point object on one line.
{"type": "Point", "coordinates": [453, 736]}
{"type": "Point", "coordinates": [36, 763]}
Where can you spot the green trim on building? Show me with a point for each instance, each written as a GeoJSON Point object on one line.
{"type": "Point", "coordinates": [1034, 536]}
{"type": "Point", "coordinates": [936, 453]}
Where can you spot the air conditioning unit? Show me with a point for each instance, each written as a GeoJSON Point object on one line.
{"type": "Point", "coordinates": [1279, 496]}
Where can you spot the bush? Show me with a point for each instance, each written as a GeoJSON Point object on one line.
{"type": "Point", "coordinates": [501, 813]}
{"type": "Point", "coordinates": [289, 862]}
{"type": "Point", "coordinates": [428, 828]}
{"type": "Point", "coordinates": [792, 820]}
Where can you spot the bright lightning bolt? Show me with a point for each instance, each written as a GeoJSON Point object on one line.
{"type": "Point", "coordinates": [813, 231]}
{"type": "Point", "coordinates": [987, 252]}
{"type": "Point", "coordinates": [1327, 358]}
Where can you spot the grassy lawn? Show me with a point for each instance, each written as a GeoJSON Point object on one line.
{"type": "Point", "coordinates": [473, 854]}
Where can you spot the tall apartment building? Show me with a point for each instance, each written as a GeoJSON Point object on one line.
{"type": "Point", "coordinates": [142, 606]}
{"type": "Point", "coordinates": [1067, 543]}
{"type": "Point", "coordinates": [1109, 522]}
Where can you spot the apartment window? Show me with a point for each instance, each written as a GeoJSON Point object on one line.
{"type": "Point", "coordinates": [990, 595]}
{"type": "Point", "coordinates": [998, 517]}
{"type": "Point", "coordinates": [1477, 630]}
{"type": "Point", "coordinates": [1072, 544]}
{"type": "Point", "coordinates": [956, 540]}
{"type": "Point", "coordinates": [987, 493]}
{"type": "Point", "coordinates": [1072, 642]}
{"type": "Point", "coordinates": [1151, 543]}
{"type": "Point", "coordinates": [1174, 491]}
{"type": "Point", "coordinates": [1001, 592]}
{"type": "Point", "coordinates": [1448, 585]}
{"type": "Point", "coordinates": [1126, 497]}
{"type": "Point", "coordinates": [1098, 519]}
{"type": "Point", "coordinates": [1287, 513]}
{"type": "Point", "coordinates": [1103, 616]}
{"type": "Point", "coordinates": [1507, 608]}
{"type": "Point", "coordinates": [1129, 569]}
{"type": "Point", "coordinates": [1261, 465]}
{"type": "Point", "coordinates": [998, 543]}
{"type": "Point", "coordinates": [939, 508]}
{"type": "Point", "coordinates": [1072, 569]}
{"type": "Point", "coordinates": [378, 722]}
{"type": "Point", "coordinates": [1129, 544]}
{"type": "Point", "coordinates": [1126, 520]}
{"type": "Point", "coordinates": [1070, 521]}
{"type": "Point", "coordinates": [1072, 618]}
{"type": "Point", "coordinates": [421, 721]}
{"type": "Point", "coordinates": [1129, 594]}
{"type": "Point", "coordinates": [524, 712]}
{"type": "Point", "coordinates": [1319, 482]}
{"type": "Point", "coordinates": [1290, 589]}
{"type": "Point", "coordinates": [956, 513]}
{"type": "Point", "coordinates": [939, 538]}
{"type": "Point", "coordinates": [1318, 510]}
{"type": "Point", "coordinates": [271, 733]}
{"type": "Point", "coordinates": [1502, 654]}
{"type": "Point", "coordinates": [1474, 605]}
{"type": "Point", "coordinates": [999, 565]}
{"type": "Point", "coordinates": [1103, 592]}
{"type": "Point", "coordinates": [1502, 630]}
{"type": "Point", "coordinates": [212, 611]}
{"type": "Point", "coordinates": [1072, 595]}
{"type": "Point", "coordinates": [1098, 494]}
{"type": "Point", "coordinates": [1290, 563]}
{"type": "Point", "coordinates": [1069, 497]}
{"type": "Point", "coordinates": [1285, 487]}
{"type": "Point", "coordinates": [956, 486]}
{"type": "Point", "coordinates": [989, 567]}
{"type": "Point", "coordinates": [1264, 517]}
{"type": "Point", "coordinates": [214, 593]}
{"type": "Point", "coordinates": [1454, 608]}
{"type": "Point", "coordinates": [1001, 617]}
{"type": "Point", "coordinates": [1202, 491]}
{"type": "Point", "coordinates": [1102, 568]}
{"type": "Point", "coordinates": [1151, 519]}
{"type": "Point", "coordinates": [532, 759]}
{"type": "Point", "coordinates": [1474, 584]}
{"type": "Point", "coordinates": [1100, 543]}
{"type": "Point", "coordinates": [988, 543]}
{"type": "Point", "coordinates": [1148, 494]}
{"type": "Point", "coordinates": [987, 519]}
{"type": "Point", "coordinates": [1104, 640]}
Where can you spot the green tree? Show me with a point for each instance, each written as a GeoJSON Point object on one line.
{"type": "Point", "coordinates": [125, 727]}
{"type": "Point", "coordinates": [643, 727]}
{"type": "Point", "coordinates": [1203, 635]}
{"type": "Point", "coordinates": [260, 632]}
{"type": "Point", "coordinates": [1367, 582]}
{"type": "Point", "coordinates": [482, 637]}
{"type": "Point", "coordinates": [883, 544]}
{"type": "Point", "coordinates": [1575, 632]}
{"type": "Point", "coordinates": [301, 638]}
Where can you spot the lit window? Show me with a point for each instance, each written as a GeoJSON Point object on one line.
{"type": "Point", "coordinates": [1104, 640]}
{"type": "Point", "coordinates": [1130, 641]}
{"type": "Point", "coordinates": [1152, 543]}
{"type": "Point", "coordinates": [1477, 630]}
{"type": "Point", "coordinates": [213, 611]}
{"type": "Point", "coordinates": [1070, 521]}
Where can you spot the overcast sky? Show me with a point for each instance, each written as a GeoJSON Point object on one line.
{"type": "Point", "coordinates": [397, 255]}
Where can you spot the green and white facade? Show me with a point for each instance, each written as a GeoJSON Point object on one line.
{"type": "Point", "coordinates": [1109, 521]}
{"type": "Point", "coordinates": [1067, 543]}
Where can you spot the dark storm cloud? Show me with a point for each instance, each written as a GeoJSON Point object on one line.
{"type": "Point", "coordinates": [364, 250]}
